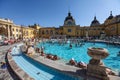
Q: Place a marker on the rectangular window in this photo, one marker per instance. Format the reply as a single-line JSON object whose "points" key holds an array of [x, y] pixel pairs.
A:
{"points": [[17, 35], [16, 30], [69, 30]]}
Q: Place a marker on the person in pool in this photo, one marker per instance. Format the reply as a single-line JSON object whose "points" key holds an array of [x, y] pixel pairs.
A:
{"points": [[70, 45], [118, 53]]}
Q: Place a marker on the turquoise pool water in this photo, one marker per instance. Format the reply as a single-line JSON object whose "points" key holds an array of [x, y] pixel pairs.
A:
{"points": [[36, 70], [80, 53]]}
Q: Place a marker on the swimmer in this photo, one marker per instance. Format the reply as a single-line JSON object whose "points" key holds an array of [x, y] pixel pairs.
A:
{"points": [[118, 53], [70, 45], [38, 73]]}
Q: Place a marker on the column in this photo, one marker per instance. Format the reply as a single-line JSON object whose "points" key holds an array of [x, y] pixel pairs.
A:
{"points": [[8, 31]]}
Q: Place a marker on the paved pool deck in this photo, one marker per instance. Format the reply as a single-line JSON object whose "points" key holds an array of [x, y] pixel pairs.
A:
{"points": [[68, 69], [5, 74]]}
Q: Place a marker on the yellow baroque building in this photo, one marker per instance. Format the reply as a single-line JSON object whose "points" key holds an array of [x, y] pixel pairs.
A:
{"points": [[10, 30], [16, 32], [110, 27], [6, 28], [28, 33]]}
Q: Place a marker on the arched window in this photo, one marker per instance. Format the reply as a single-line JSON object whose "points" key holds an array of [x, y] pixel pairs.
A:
{"points": [[69, 23], [47, 32], [56, 32], [42, 32], [51, 31], [69, 30]]}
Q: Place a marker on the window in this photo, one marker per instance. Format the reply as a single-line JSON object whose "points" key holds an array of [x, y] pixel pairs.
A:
{"points": [[51, 31], [102, 29], [24, 33], [69, 30], [113, 28], [17, 35], [13, 29], [118, 19], [98, 28], [19, 30], [16, 30], [47, 32], [69, 23], [42, 32], [77, 33], [56, 32], [27, 33]]}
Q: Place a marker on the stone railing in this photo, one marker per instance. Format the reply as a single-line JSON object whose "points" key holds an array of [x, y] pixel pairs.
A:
{"points": [[6, 20]]}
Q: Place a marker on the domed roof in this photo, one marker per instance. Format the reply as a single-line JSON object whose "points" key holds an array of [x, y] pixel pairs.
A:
{"points": [[111, 16], [69, 21], [69, 17], [95, 22]]}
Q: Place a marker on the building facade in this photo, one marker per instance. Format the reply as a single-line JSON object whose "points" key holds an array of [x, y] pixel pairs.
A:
{"points": [[6, 28], [12, 31], [110, 27], [17, 32]]}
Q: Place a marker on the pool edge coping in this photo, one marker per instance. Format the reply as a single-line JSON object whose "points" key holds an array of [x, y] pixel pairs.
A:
{"points": [[16, 69]]}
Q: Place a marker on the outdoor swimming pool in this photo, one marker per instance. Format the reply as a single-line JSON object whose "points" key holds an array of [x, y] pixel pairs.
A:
{"points": [[36, 70], [79, 53]]}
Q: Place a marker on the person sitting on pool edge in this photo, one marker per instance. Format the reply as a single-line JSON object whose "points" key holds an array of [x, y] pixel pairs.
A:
{"points": [[37, 50], [3, 65], [72, 62], [55, 57], [49, 56], [81, 64], [42, 53]]}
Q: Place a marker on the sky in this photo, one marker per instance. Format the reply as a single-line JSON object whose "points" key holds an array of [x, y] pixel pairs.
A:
{"points": [[49, 13]]}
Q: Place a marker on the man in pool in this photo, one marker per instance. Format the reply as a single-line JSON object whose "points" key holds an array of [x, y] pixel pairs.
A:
{"points": [[70, 45]]}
